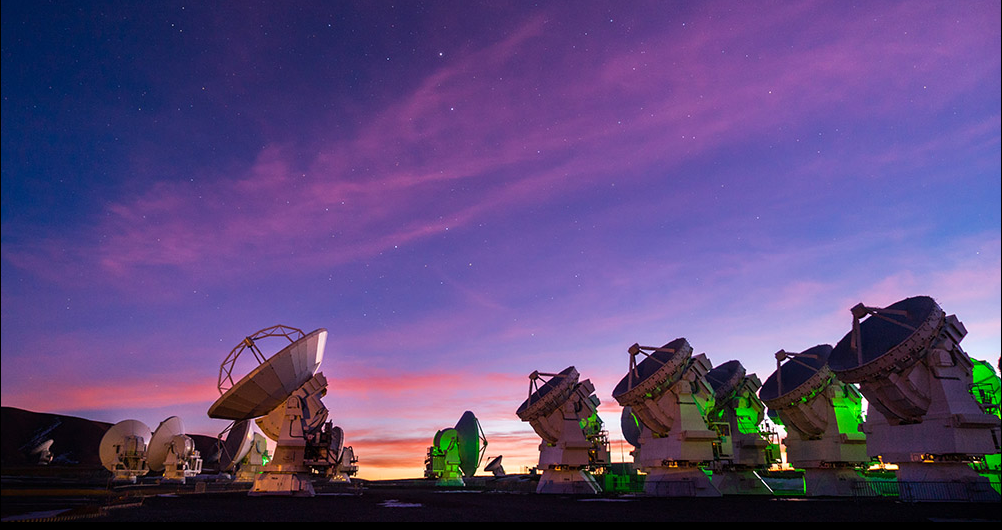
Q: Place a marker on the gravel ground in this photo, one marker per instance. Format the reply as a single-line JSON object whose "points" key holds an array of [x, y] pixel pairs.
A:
{"points": [[410, 502]]}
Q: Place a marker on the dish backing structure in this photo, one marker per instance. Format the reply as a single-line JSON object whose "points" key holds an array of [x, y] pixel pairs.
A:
{"points": [[173, 452], [822, 416], [564, 413], [670, 397], [283, 394], [123, 450], [908, 363]]}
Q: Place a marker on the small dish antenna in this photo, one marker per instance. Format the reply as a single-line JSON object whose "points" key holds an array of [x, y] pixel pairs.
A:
{"points": [[123, 450], [822, 416], [173, 452], [284, 394], [564, 413], [347, 465], [494, 467], [908, 363], [43, 452], [457, 452], [668, 393], [738, 416]]}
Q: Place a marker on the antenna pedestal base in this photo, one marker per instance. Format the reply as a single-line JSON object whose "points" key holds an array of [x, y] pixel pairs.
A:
{"points": [[248, 473], [125, 476], [568, 482], [739, 482], [283, 484], [943, 482], [831, 482], [679, 482]]}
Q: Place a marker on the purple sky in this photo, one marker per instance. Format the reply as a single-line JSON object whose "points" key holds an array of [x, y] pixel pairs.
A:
{"points": [[462, 193]]}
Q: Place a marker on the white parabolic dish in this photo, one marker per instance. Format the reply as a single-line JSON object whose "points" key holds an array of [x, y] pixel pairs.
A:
{"points": [[273, 381], [116, 437], [159, 445]]}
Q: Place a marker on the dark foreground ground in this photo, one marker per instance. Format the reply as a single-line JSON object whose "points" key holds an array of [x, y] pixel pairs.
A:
{"points": [[421, 501]]}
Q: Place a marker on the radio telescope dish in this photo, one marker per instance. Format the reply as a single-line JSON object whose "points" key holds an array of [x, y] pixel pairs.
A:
{"points": [[236, 445], [44, 452], [347, 465], [123, 450], [284, 391], [668, 393], [337, 440], [564, 413], [472, 443], [909, 365], [456, 452], [737, 416], [630, 426], [822, 416], [274, 380], [173, 452], [494, 467], [159, 446], [241, 451]]}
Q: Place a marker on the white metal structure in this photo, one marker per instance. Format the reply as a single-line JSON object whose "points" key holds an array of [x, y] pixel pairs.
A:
{"points": [[668, 394], [173, 452], [123, 450], [908, 363], [563, 412], [822, 416], [284, 393]]}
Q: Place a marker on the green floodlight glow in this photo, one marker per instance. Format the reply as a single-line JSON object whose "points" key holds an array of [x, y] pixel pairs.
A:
{"points": [[748, 418], [849, 411], [986, 387]]}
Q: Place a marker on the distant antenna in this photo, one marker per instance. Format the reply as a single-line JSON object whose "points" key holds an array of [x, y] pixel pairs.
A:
{"points": [[123, 450], [456, 452], [241, 451], [284, 393], [347, 465], [822, 416], [494, 466], [668, 393], [173, 452], [44, 452], [233, 444], [907, 361], [564, 413]]}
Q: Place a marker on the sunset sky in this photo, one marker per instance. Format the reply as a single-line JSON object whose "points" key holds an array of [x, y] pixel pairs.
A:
{"points": [[464, 192]]}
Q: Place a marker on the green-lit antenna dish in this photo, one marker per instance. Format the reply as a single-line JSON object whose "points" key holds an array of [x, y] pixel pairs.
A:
{"points": [[470, 451]]}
